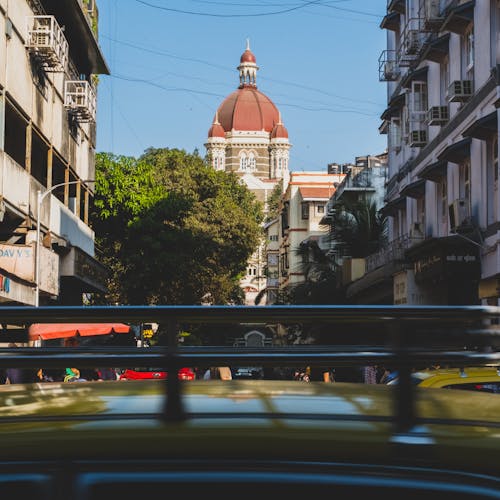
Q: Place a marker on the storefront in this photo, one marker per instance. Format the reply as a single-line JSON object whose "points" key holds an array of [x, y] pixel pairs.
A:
{"points": [[446, 270]]}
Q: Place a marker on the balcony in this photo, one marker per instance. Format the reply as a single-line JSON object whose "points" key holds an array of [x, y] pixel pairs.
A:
{"points": [[393, 252], [388, 69]]}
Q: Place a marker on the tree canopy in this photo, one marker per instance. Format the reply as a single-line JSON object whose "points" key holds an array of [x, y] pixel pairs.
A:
{"points": [[172, 229]]}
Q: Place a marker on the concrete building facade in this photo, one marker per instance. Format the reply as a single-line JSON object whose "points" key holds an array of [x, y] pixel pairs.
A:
{"points": [[49, 57], [303, 206], [442, 74]]}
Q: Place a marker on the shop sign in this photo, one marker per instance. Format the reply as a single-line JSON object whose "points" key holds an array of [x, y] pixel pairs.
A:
{"points": [[448, 264], [18, 260]]}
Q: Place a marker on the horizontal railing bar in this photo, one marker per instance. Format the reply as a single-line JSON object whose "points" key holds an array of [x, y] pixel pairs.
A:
{"points": [[42, 358], [245, 314]]}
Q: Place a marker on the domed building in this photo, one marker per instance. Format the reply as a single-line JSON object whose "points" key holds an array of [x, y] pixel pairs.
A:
{"points": [[248, 137]]}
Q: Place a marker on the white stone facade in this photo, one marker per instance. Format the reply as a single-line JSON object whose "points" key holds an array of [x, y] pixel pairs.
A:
{"points": [[442, 73]]}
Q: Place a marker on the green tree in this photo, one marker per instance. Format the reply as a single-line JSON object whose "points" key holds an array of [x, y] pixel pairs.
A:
{"points": [[172, 229], [320, 277], [273, 202], [358, 228]]}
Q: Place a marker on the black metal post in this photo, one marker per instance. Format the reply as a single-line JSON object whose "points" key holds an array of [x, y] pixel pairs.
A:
{"points": [[174, 410]]}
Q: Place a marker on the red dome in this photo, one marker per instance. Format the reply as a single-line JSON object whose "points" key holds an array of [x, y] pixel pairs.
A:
{"points": [[216, 130], [247, 56], [279, 132], [248, 109]]}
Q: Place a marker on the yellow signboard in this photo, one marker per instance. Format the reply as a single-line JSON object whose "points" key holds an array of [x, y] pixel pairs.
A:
{"points": [[147, 333]]}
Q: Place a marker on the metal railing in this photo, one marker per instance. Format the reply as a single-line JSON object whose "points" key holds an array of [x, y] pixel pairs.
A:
{"points": [[399, 336]]}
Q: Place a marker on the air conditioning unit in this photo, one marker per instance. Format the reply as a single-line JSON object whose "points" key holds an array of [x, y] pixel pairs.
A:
{"points": [[46, 43], [80, 100], [459, 212], [412, 42], [432, 15], [391, 71], [418, 138], [438, 115], [460, 91]]}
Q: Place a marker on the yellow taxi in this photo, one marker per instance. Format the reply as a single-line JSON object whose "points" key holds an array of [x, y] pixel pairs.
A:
{"points": [[477, 378]]}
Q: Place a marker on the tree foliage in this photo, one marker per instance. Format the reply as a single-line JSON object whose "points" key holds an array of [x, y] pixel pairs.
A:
{"points": [[172, 229], [359, 228], [320, 277], [273, 202]]}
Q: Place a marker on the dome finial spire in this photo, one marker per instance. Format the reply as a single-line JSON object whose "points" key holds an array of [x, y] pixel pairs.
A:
{"points": [[248, 67]]}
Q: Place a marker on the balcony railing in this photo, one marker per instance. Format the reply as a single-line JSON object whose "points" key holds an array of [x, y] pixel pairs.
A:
{"points": [[388, 68]]}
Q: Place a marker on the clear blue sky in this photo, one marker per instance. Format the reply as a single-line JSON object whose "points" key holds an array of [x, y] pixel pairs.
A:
{"points": [[173, 64]]}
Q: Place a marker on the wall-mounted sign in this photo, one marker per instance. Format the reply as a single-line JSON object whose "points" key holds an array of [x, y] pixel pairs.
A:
{"points": [[18, 260]]}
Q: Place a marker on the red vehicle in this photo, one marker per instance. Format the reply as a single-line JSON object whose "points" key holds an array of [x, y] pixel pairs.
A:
{"points": [[154, 373]]}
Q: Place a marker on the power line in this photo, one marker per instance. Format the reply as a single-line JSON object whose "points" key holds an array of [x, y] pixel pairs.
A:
{"points": [[219, 96], [258, 14], [217, 66]]}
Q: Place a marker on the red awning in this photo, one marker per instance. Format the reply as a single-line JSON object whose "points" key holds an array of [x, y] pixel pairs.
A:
{"points": [[47, 331]]}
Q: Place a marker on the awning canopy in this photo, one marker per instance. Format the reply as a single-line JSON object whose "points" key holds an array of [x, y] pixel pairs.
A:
{"points": [[484, 128], [415, 189], [435, 172], [392, 207], [456, 152], [416, 75], [46, 331], [390, 21], [394, 108], [459, 18], [436, 50]]}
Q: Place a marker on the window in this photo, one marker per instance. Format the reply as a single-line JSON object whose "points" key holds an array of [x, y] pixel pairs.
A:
{"points": [[395, 134], [251, 162], [243, 162], [444, 197], [465, 180], [444, 80], [492, 179], [468, 53], [305, 210], [320, 209], [418, 106]]}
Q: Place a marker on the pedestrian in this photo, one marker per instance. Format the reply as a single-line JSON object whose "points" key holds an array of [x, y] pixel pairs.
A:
{"points": [[319, 374], [20, 375], [370, 374], [218, 373]]}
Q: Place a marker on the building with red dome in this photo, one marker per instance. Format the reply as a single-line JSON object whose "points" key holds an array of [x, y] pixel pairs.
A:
{"points": [[248, 137]]}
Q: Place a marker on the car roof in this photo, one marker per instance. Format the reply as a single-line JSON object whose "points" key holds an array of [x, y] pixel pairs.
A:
{"points": [[274, 418]]}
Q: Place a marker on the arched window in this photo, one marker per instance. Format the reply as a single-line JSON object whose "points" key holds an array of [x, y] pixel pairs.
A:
{"points": [[243, 161], [251, 162]]}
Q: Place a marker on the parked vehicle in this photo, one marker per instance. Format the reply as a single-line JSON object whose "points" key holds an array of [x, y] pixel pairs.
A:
{"points": [[485, 379], [248, 372], [154, 373]]}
